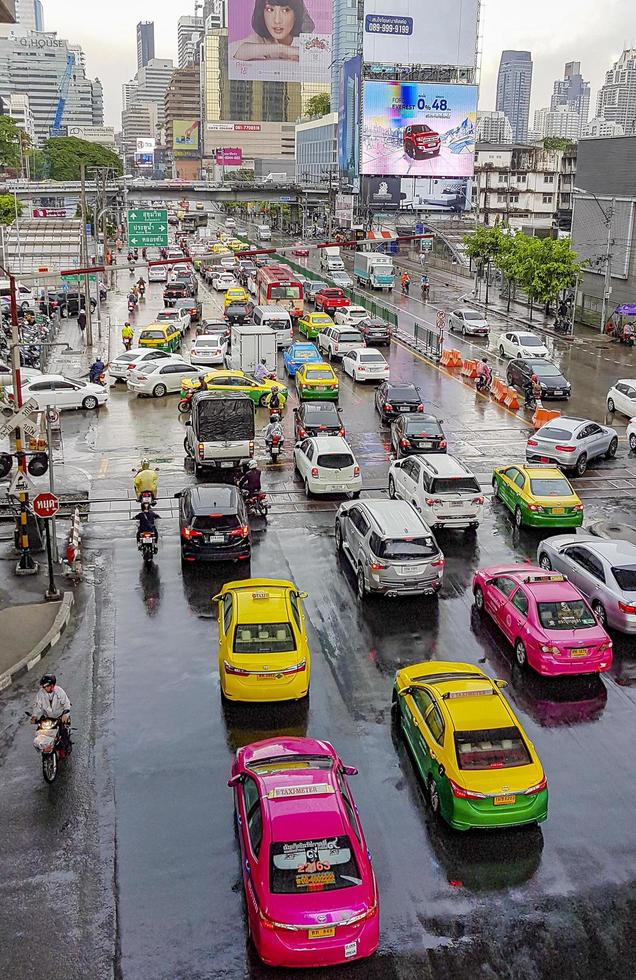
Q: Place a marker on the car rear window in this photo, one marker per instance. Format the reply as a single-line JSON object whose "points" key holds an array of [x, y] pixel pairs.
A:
{"points": [[403, 393], [334, 461], [316, 374], [216, 522], [152, 334], [491, 748], [209, 340], [552, 434], [472, 316], [625, 577], [304, 355], [287, 763], [297, 867], [416, 427], [320, 408], [463, 484], [572, 614], [371, 358], [353, 337], [551, 488], [401, 549], [167, 315], [264, 638]]}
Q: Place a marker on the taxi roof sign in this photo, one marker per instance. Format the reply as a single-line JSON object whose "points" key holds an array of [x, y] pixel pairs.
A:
{"points": [[260, 595], [555, 577], [304, 789], [468, 694]]}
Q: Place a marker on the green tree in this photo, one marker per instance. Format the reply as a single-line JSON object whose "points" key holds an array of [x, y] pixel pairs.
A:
{"points": [[318, 105], [11, 136], [557, 143], [63, 156], [8, 207], [486, 245]]}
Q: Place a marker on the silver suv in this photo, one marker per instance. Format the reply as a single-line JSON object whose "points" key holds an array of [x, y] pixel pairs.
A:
{"points": [[572, 443], [391, 549]]}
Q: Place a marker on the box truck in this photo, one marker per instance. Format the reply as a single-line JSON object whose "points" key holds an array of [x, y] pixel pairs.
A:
{"points": [[330, 260], [374, 270], [249, 345]]}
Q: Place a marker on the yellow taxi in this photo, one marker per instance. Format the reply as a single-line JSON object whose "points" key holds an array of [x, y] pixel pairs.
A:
{"points": [[311, 324], [220, 248], [263, 649], [235, 295], [538, 496], [237, 245], [161, 336], [317, 382]]}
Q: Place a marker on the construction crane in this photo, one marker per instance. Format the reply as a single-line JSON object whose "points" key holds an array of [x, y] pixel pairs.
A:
{"points": [[65, 81]]}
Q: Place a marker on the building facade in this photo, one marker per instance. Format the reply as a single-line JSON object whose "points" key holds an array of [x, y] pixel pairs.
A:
{"points": [[317, 150], [151, 82], [145, 42], [346, 41], [189, 33], [183, 115], [616, 100], [558, 122], [572, 92], [19, 109], [602, 127], [214, 14], [137, 122], [493, 127], [514, 85]]}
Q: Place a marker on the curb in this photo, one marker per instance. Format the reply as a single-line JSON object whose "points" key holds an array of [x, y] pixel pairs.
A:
{"points": [[47, 642]]}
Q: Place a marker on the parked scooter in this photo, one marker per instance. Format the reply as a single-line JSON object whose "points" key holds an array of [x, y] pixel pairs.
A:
{"points": [[563, 325]]}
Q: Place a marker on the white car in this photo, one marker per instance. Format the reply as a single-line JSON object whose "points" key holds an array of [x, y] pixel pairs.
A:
{"points": [[179, 316], [228, 263], [365, 364], [631, 435], [326, 464], [120, 366], [622, 397], [223, 281], [59, 392], [341, 279], [230, 223], [158, 273], [469, 322], [520, 343], [352, 315], [442, 490], [161, 378], [209, 348], [6, 377]]}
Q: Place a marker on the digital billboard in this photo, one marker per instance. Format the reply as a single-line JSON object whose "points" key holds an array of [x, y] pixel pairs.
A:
{"points": [[418, 129], [280, 40], [436, 194], [420, 32], [349, 119], [185, 137]]}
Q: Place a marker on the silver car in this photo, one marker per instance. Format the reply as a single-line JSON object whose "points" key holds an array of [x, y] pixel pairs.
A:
{"points": [[604, 571], [572, 443], [390, 548]]}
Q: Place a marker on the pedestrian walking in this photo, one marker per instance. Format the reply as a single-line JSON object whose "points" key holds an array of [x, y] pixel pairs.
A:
{"points": [[81, 322]]}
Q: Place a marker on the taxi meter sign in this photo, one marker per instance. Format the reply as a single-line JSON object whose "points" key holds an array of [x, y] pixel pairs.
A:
{"points": [[46, 504]]}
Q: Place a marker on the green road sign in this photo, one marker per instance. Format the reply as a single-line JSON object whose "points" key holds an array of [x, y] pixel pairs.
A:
{"points": [[76, 279], [147, 226]]}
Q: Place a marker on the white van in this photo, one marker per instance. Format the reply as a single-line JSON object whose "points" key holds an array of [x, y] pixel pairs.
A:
{"points": [[264, 233], [278, 319], [25, 297]]}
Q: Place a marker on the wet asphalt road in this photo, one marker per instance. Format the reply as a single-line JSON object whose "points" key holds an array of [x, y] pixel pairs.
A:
{"points": [[131, 858]]}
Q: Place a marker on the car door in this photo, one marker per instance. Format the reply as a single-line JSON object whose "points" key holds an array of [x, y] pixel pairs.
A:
{"points": [[627, 404], [358, 530], [404, 478], [67, 395], [173, 375], [415, 706], [496, 596], [599, 439], [349, 361], [571, 562], [301, 455], [43, 392], [250, 821], [589, 574], [508, 487], [512, 345], [586, 440], [514, 615]]}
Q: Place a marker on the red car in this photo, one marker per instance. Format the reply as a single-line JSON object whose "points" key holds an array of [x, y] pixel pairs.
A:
{"points": [[300, 249], [331, 299], [421, 141]]}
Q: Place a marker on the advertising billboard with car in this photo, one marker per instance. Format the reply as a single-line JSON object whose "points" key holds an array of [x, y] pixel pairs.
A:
{"points": [[418, 129], [185, 137], [420, 32], [275, 41]]}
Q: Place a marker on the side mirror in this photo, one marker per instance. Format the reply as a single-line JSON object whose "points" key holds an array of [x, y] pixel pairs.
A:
{"points": [[217, 598], [235, 780], [178, 495], [350, 770], [501, 683], [302, 595]]}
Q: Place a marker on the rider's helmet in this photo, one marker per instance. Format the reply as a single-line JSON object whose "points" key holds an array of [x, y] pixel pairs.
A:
{"points": [[263, 360], [145, 465], [534, 378], [252, 464], [47, 679], [275, 417], [485, 360], [274, 390], [127, 323]]}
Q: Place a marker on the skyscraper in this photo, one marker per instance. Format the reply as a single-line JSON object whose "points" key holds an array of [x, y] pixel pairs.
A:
{"points": [[39, 15], [616, 100], [514, 83], [345, 42], [145, 42], [189, 31], [25, 14], [571, 91]]}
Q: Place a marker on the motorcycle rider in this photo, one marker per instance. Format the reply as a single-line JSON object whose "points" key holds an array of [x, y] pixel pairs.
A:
{"points": [[274, 429], [261, 371], [406, 282], [127, 335], [484, 374], [424, 283], [52, 701], [96, 370], [250, 482], [141, 285], [532, 392], [145, 480], [147, 519], [275, 401]]}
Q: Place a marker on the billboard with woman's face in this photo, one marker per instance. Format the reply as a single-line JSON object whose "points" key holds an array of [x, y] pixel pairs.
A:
{"points": [[280, 40]]}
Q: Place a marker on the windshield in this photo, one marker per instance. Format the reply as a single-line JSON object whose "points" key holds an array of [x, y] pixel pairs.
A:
{"points": [[545, 370], [551, 488], [423, 427], [573, 614], [284, 292], [371, 358], [401, 549], [493, 748], [264, 638], [334, 461], [625, 577], [313, 865]]}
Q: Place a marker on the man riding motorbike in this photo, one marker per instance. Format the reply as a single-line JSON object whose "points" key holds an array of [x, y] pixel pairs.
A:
{"points": [[52, 701], [145, 481], [484, 375], [532, 392], [250, 482], [127, 335], [425, 284], [406, 282], [261, 372], [147, 519], [141, 285], [274, 429], [96, 370]]}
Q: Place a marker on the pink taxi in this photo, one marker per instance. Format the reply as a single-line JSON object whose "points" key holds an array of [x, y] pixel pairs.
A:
{"points": [[544, 616], [310, 890]]}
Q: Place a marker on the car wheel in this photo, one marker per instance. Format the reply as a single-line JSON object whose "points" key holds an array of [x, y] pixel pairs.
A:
{"points": [[611, 407], [433, 796], [581, 464], [509, 378], [544, 562], [502, 352], [392, 494], [611, 449], [159, 391], [632, 442], [518, 517], [479, 598], [90, 403], [520, 654], [463, 331], [263, 400], [307, 490], [599, 611], [362, 585], [338, 537]]}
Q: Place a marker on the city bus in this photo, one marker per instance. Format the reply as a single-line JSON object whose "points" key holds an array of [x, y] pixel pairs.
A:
{"points": [[277, 286]]}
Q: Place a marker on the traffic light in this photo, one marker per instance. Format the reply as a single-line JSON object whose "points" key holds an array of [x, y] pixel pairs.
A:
{"points": [[38, 464], [6, 462]]}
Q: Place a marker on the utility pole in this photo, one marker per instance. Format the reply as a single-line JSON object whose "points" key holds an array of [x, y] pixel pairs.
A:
{"points": [[87, 282], [607, 283], [26, 565]]}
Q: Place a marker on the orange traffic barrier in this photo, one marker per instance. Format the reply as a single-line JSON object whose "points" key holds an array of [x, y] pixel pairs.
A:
{"points": [[446, 358], [512, 399], [498, 389], [469, 369], [457, 358], [541, 416]]}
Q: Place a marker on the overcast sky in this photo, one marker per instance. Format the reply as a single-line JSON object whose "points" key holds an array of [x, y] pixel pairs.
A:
{"points": [[555, 31]]}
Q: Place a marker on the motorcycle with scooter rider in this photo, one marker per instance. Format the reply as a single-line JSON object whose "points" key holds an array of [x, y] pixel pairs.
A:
{"points": [[274, 437], [250, 486], [145, 487]]}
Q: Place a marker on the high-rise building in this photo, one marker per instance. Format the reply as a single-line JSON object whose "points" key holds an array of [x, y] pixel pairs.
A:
{"points": [[137, 122], [145, 42], [182, 99], [189, 32], [25, 15], [149, 85], [514, 83], [561, 121], [215, 14], [345, 42], [616, 100], [19, 109], [39, 15], [597, 128], [572, 92], [493, 127]]}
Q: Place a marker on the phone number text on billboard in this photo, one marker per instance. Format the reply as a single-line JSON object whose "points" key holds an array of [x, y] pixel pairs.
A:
{"points": [[418, 129]]}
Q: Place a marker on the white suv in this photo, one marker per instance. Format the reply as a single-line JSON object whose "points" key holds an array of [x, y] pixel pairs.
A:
{"points": [[441, 489], [336, 340]]}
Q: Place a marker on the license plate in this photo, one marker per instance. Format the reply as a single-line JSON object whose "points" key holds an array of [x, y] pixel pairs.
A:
{"points": [[424, 443], [215, 539], [579, 652], [226, 464], [504, 800], [558, 510], [320, 388], [337, 486], [455, 503], [263, 677], [404, 408], [322, 933], [351, 949], [557, 391], [544, 459]]}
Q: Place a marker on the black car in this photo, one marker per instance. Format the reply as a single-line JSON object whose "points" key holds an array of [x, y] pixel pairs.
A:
{"points": [[175, 291], [239, 313], [375, 331], [192, 305], [70, 303], [418, 433], [553, 384], [317, 419], [213, 524], [393, 399]]}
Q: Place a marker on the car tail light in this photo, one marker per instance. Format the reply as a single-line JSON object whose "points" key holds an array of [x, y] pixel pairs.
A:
{"points": [[550, 648], [230, 669], [341, 430], [464, 794], [296, 669], [420, 408], [268, 923], [131, 367], [404, 443], [361, 916], [478, 500], [532, 442], [314, 471], [188, 533], [537, 788], [443, 444], [535, 508], [626, 607], [387, 407], [356, 471], [251, 447], [301, 432], [431, 501], [565, 449], [605, 648], [439, 563], [376, 566], [360, 368], [240, 532], [142, 377]]}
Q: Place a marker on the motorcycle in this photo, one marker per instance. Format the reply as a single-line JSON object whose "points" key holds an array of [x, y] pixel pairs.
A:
{"points": [[97, 378], [127, 342], [48, 742], [624, 338], [483, 383], [148, 546], [257, 505], [405, 288], [275, 446], [562, 325], [185, 403], [131, 306], [142, 291], [425, 290]]}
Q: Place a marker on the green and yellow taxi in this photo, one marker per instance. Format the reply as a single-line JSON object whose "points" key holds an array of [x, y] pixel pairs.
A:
{"points": [[237, 245], [263, 649], [311, 324], [537, 496], [236, 294], [317, 382], [232, 381], [161, 336], [479, 768]]}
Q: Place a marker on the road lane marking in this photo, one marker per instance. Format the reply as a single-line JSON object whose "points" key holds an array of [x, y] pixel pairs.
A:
{"points": [[103, 467]]}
